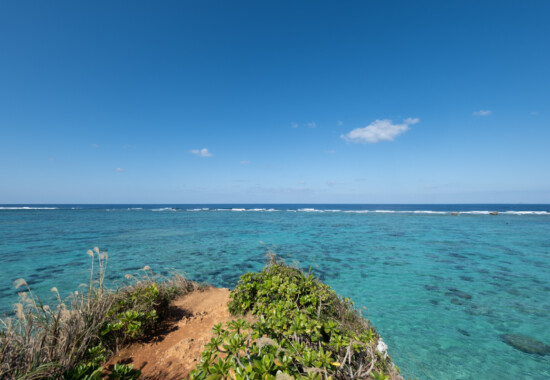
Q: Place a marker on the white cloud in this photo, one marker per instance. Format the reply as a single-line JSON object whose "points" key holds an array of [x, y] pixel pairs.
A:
{"points": [[379, 130], [94, 145], [202, 152], [482, 113], [311, 124], [340, 123], [245, 162], [120, 170], [411, 120], [330, 151]]}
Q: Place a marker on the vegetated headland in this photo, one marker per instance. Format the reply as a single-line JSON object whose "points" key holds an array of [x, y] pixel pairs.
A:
{"points": [[279, 323]]}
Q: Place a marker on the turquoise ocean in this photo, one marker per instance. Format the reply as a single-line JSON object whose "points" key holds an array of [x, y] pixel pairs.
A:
{"points": [[441, 289]]}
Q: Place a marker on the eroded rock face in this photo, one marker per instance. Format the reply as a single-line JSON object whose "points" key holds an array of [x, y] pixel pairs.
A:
{"points": [[526, 344]]}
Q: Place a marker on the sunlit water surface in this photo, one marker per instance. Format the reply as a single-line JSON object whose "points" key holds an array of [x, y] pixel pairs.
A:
{"points": [[441, 289]]}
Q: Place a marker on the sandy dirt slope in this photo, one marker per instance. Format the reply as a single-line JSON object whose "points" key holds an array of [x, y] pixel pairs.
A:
{"points": [[177, 347]]}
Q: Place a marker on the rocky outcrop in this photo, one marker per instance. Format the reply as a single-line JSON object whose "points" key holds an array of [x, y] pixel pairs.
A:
{"points": [[526, 344]]}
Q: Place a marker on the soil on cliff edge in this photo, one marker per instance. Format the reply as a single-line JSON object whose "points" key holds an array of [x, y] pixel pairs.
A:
{"points": [[176, 348]]}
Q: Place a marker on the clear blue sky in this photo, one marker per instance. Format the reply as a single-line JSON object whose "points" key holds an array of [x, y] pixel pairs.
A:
{"points": [[299, 101]]}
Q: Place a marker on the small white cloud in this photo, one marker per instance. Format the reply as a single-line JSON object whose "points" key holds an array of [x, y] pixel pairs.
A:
{"points": [[340, 123], [245, 162], [94, 145], [330, 151], [311, 124], [201, 152], [294, 125], [482, 113], [379, 130], [411, 120], [120, 170]]}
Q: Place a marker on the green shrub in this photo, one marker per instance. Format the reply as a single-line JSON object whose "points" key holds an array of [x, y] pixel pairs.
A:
{"points": [[302, 329], [124, 372]]}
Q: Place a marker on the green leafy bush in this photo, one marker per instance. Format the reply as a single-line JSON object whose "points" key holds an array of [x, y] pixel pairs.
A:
{"points": [[302, 330], [124, 372]]}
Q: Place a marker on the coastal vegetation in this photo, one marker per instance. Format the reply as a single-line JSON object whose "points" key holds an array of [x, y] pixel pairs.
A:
{"points": [[288, 324], [301, 329], [71, 340]]}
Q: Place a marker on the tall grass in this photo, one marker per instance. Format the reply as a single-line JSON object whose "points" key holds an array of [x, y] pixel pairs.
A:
{"points": [[44, 341]]}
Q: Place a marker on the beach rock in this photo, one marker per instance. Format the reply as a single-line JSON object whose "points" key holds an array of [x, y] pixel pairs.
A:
{"points": [[493, 213], [454, 213], [526, 344], [382, 347]]}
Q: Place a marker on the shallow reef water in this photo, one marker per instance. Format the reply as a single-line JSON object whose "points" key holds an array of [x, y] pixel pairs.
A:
{"points": [[454, 297]]}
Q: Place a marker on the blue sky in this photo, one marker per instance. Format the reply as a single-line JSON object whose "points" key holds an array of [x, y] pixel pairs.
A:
{"points": [[300, 101]]}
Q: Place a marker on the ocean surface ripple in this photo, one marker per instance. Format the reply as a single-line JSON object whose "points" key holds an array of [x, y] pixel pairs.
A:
{"points": [[443, 284]]}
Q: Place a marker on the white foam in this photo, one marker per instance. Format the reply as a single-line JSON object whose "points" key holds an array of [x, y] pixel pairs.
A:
{"points": [[314, 210], [428, 212], [526, 212], [29, 208]]}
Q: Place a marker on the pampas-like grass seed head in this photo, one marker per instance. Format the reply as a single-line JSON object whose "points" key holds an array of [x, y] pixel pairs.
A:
{"points": [[46, 308], [90, 253], [147, 267], [19, 310], [54, 289], [96, 250], [19, 283], [23, 295], [128, 276], [104, 256], [76, 292]]}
